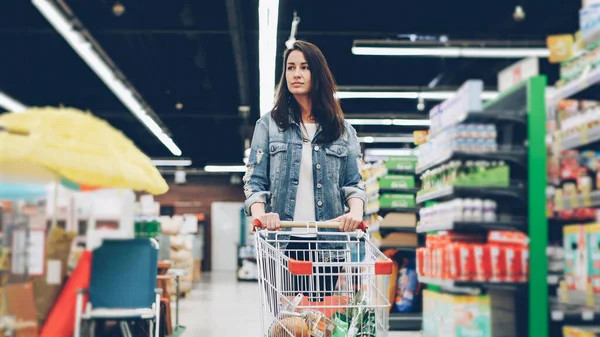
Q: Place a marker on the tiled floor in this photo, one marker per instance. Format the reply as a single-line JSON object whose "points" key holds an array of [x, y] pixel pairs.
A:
{"points": [[219, 304]]}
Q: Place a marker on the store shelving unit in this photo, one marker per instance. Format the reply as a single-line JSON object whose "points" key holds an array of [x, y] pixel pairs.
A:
{"points": [[519, 115], [583, 307], [408, 321]]}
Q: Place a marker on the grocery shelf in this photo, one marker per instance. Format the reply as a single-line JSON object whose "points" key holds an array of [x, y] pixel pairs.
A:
{"points": [[575, 86], [488, 116], [398, 246], [407, 321], [510, 155], [471, 287], [573, 314], [397, 171], [578, 140], [399, 190], [580, 201], [516, 192], [402, 229], [384, 211], [473, 226]]}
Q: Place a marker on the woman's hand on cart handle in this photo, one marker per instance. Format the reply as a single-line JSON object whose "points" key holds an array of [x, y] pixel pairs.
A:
{"points": [[350, 222], [269, 221]]}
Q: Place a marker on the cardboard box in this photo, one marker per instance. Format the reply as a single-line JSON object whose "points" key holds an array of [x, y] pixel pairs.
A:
{"points": [[399, 220], [396, 200], [593, 255], [400, 239], [397, 181]]}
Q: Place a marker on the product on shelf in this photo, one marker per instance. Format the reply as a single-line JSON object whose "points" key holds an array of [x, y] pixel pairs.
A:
{"points": [[456, 315], [396, 200], [391, 181], [503, 257], [479, 173], [407, 285], [401, 163], [468, 137], [581, 331], [456, 210], [582, 257], [454, 110]]}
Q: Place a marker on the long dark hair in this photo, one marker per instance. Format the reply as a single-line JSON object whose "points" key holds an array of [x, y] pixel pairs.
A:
{"points": [[326, 108]]}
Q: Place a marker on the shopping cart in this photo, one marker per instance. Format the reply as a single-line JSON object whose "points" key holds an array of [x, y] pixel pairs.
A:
{"points": [[321, 292]]}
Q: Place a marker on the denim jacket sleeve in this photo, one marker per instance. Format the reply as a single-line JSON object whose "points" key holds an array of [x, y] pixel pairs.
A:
{"points": [[256, 179], [353, 183]]}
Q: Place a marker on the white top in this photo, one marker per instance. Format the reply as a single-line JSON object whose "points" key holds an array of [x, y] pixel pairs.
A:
{"points": [[305, 196]]}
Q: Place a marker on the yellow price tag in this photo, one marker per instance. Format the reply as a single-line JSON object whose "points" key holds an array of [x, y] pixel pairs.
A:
{"points": [[557, 142], [589, 295], [584, 134]]}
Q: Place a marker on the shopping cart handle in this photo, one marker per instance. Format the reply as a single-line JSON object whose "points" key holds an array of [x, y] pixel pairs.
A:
{"points": [[257, 225]]}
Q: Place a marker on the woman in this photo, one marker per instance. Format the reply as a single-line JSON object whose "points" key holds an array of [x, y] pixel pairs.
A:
{"points": [[303, 164]]}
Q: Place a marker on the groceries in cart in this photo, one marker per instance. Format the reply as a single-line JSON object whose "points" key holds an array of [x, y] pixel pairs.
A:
{"points": [[359, 322], [325, 290]]}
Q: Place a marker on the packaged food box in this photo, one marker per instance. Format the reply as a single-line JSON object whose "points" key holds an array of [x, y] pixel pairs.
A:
{"points": [[396, 181], [456, 315], [593, 253], [396, 200], [576, 257], [402, 163]]}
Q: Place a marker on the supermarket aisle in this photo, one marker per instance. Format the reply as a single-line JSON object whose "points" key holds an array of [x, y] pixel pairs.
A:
{"points": [[218, 305]]}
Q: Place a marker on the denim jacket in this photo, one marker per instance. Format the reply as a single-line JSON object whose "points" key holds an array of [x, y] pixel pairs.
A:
{"points": [[274, 165]]}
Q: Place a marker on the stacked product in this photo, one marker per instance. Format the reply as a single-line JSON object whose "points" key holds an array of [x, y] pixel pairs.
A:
{"points": [[582, 263], [371, 172], [503, 257], [457, 210], [481, 173], [456, 315], [397, 192], [180, 253]]}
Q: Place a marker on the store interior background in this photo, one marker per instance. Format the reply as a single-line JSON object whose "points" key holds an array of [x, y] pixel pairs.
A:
{"points": [[197, 66]]}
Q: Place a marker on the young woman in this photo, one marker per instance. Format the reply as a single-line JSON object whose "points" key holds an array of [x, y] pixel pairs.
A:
{"points": [[303, 164]]}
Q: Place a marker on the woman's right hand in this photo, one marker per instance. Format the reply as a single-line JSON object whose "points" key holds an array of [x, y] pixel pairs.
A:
{"points": [[270, 221]]}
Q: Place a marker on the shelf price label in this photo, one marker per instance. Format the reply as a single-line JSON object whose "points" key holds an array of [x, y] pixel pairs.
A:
{"points": [[587, 315], [557, 315]]}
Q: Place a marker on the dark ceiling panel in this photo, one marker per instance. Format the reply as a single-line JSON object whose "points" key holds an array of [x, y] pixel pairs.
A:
{"points": [[180, 51]]}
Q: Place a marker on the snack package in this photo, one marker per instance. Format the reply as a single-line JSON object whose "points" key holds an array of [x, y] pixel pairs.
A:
{"points": [[497, 262], [408, 282], [319, 325]]}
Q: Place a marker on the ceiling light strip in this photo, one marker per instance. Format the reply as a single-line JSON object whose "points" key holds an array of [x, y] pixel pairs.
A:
{"points": [[268, 15], [172, 162], [11, 104], [386, 121], [86, 51], [428, 95], [225, 168], [469, 52], [386, 139]]}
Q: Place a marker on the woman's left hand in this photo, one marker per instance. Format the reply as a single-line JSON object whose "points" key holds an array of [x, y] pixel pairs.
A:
{"points": [[349, 222]]}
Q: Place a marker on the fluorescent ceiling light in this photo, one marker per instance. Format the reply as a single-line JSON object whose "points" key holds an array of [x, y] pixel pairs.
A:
{"points": [[385, 139], [428, 95], [85, 50], [268, 15], [399, 122], [11, 104], [225, 168], [453, 52], [172, 162]]}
